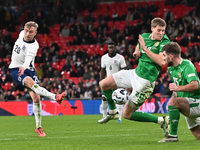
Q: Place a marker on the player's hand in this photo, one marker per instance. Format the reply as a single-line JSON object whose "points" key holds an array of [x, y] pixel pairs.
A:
{"points": [[136, 54], [173, 87], [142, 43], [21, 71]]}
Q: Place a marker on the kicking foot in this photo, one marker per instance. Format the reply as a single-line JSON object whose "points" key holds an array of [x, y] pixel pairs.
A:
{"points": [[60, 97]]}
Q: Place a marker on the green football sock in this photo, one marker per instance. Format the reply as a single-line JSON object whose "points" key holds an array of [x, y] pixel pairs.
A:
{"points": [[111, 103], [143, 117], [174, 115]]}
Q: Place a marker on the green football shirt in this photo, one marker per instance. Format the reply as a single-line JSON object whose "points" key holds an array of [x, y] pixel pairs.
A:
{"points": [[183, 74], [147, 68]]}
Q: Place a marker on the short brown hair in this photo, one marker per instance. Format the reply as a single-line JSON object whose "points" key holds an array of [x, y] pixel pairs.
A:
{"points": [[158, 22], [172, 48], [31, 24]]}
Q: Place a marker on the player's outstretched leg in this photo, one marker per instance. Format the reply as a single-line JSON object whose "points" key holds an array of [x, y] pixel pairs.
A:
{"points": [[43, 92]]}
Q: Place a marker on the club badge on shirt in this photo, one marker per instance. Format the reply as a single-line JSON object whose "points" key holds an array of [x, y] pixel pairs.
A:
{"points": [[156, 44]]}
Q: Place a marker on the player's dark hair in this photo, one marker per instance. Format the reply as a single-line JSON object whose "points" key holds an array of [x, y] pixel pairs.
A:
{"points": [[111, 43], [172, 48], [158, 22]]}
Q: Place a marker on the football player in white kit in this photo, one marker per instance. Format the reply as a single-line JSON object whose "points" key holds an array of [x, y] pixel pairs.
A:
{"points": [[23, 71], [111, 62]]}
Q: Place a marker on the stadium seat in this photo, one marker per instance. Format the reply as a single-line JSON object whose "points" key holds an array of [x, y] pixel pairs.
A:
{"points": [[14, 35], [14, 93], [178, 39], [66, 74], [7, 86], [183, 49], [197, 66], [75, 79]]}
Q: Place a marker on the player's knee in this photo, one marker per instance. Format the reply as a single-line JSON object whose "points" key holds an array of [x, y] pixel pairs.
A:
{"points": [[126, 115], [102, 85], [36, 98], [172, 102], [29, 82]]}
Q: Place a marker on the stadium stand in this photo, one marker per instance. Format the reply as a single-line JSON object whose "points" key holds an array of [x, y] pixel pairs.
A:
{"points": [[89, 31]]}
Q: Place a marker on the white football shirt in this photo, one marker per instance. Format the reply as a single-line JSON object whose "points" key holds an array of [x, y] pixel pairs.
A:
{"points": [[112, 64], [22, 49]]}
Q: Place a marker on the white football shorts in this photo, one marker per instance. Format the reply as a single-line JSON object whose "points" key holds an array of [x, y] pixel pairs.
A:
{"points": [[141, 88], [194, 118]]}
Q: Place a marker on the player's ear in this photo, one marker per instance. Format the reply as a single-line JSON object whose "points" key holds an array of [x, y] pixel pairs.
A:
{"points": [[152, 29], [35, 33], [171, 55]]}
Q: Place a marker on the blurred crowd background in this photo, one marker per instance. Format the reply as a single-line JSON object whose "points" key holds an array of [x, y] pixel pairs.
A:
{"points": [[73, 35]]}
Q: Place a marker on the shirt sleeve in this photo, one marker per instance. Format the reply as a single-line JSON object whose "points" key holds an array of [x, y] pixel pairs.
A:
{"points": [[190, 73], [27, 61], [102, 62], [123, 62]]}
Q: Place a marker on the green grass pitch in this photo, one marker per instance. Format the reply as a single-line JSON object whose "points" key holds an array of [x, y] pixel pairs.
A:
{"points": [[82, 132]]}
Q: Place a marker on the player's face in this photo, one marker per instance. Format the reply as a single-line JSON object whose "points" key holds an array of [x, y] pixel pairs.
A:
{"points": [[111, 49], [168, 59], [158, 32], [29, 33]]}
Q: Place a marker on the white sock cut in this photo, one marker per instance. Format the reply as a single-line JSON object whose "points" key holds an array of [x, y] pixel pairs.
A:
{"points": [[43, 92], [37, 112]]}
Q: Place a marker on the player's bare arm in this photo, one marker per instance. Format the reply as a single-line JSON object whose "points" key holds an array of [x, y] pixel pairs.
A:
{"points": [[159, 59], [21, 71], [192, 86], [102, 73], [174, 95]]}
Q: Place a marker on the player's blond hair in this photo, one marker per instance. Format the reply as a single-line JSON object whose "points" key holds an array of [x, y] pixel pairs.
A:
{"points": [[158, 22], [31, 24]]}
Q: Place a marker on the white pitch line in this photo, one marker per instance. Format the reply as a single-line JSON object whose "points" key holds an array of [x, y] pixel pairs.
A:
{"points": [[66, 137]]}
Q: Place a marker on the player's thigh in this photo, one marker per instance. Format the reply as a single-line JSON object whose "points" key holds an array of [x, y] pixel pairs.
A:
{"points": [[196, 132], [182, 104], [142, 89], [28, 82], [123, 78], [108, 83], [35, 97]]}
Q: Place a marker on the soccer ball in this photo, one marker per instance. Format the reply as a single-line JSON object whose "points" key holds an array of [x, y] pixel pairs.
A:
{"points": [[120, 96]]}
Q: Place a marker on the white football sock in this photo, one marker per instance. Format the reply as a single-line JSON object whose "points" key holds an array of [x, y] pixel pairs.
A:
{"points": [[104, 107], [43, 92], [120, 108], [37, 112], [112, 111]]}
